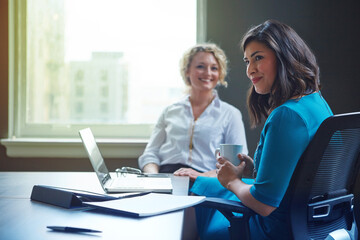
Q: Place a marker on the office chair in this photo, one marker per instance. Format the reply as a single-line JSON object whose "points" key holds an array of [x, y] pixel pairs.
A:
{"points": [[323, 196]]}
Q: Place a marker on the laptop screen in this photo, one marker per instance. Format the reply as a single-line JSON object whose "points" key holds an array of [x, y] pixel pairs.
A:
{"points": [[94, 155]]}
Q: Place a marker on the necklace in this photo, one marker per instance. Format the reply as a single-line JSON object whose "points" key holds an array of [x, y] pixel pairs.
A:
{"points": [[191, 144]]}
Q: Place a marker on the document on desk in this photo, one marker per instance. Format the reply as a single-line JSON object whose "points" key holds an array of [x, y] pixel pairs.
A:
{"points": [[147, 205]]}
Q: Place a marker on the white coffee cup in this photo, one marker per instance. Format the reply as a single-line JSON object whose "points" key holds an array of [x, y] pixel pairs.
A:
{"points": [[230, 152]]}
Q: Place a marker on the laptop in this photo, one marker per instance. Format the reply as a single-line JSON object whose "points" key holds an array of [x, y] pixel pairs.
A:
{"points": [[127, 183]]}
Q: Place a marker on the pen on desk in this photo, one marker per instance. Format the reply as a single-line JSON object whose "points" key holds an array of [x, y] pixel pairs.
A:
{"points": [[72, 229]]}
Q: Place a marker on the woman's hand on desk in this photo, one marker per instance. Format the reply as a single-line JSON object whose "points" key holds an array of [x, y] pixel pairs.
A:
{"points": [[193, 174]]}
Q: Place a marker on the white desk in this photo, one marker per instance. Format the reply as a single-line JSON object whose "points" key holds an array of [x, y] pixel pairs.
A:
{"points": [[21, 218]]}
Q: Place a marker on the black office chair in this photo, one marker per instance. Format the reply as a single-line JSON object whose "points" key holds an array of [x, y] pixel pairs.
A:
{"points": [[324, 191]]}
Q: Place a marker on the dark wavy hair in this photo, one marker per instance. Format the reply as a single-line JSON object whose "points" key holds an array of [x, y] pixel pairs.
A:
{"points": [[297, 70]]}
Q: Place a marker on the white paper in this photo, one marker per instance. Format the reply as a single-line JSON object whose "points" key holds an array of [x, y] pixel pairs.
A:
{"points": [[149, 204]]}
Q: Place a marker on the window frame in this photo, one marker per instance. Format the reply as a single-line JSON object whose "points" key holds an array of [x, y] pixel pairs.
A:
{"points": [[23, 141]]}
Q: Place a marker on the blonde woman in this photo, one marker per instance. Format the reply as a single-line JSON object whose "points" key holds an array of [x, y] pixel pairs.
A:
{"points": [[188, 132]]}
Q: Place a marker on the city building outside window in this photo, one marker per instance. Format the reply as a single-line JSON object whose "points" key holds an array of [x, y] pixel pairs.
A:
{"points": [[91, 62], [112, 65]]}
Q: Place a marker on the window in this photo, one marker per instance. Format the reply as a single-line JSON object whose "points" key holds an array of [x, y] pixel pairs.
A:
{"points": [[112, 65]]}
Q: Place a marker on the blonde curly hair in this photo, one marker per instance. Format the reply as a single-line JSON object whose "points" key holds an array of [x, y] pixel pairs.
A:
{"points": [[218, 53]]}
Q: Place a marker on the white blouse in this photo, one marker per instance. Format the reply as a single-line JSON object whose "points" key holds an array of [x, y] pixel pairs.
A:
{"points": [[176, 130]]}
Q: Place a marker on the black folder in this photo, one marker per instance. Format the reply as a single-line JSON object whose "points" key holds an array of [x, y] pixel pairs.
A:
{"points": [[66, 198]]}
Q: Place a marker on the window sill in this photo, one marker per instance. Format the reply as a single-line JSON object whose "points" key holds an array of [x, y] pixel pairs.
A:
{"points": [[72, 148]]}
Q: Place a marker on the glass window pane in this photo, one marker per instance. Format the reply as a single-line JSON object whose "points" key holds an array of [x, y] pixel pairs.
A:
{"points": [[105, 61]]}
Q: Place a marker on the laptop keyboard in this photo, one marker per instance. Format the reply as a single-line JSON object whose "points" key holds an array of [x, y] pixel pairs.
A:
{"points": [[141, 182]]}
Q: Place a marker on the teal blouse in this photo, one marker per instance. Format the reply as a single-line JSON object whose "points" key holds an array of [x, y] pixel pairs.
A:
{"points": [[287, 132]]}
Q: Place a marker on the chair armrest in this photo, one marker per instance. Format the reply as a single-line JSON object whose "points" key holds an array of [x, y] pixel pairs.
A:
{"points": [[227, 206], [239, 225], [330, 209]]}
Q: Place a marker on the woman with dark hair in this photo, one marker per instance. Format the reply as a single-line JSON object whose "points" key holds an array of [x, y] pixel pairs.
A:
{"points": [[297, 70], [285, 92]]}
